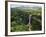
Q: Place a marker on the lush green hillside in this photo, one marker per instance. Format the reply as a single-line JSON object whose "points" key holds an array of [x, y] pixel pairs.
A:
{"points": [[20, 18]]}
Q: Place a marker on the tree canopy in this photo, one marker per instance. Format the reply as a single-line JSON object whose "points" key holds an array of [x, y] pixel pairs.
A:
{"points": [[20, 18]]}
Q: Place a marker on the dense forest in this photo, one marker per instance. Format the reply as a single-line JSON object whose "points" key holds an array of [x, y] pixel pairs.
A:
{"points": [[20, 20]]}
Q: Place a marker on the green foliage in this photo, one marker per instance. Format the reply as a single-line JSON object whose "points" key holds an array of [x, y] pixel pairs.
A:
{"points": [[20, 19], [36, 23], [20, 28]]}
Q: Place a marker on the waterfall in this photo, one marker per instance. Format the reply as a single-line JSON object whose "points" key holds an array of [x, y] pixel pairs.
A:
{"points": [[29, 22]]}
